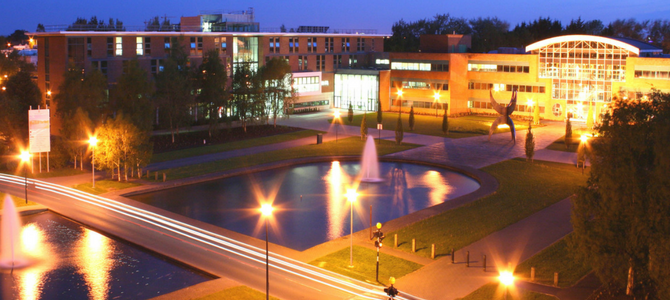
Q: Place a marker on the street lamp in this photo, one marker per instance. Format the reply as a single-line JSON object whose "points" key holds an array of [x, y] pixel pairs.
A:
{"points": [[581, 155], [437, 99], [530, 106], [507, 279], [337, 118], [93, 141], [351, 196], [266, 211], [25, 157]]}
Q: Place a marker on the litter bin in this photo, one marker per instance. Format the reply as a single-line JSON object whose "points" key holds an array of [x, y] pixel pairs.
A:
{"points": [[319, 138]]}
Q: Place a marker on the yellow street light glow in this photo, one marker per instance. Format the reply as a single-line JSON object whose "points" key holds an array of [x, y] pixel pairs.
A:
{"points": [[25, 156], [399, 93], [437, 96], [337, 114], [93, 141], [584, 138], [530, 102], [49, 93], [506, 278], [266, 209], [351, 195]]}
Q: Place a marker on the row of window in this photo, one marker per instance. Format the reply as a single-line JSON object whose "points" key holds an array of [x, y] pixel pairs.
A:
{"points": [[487, 105], [584, 55], [307, 84], [309, 104], [506, 87], [417, 66], [420, 85], [497, 68], [652, 74], [419, 104]]}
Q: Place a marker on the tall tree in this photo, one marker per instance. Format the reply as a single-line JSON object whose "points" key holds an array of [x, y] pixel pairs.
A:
{"points": [[488, 34], [364, 127], [122, 146], [379, 111], [212, 80], [445, 122], [245, 93], [132, 96], [75, 130], [87, 92], [278, 86], [411, 118], [620, 219], [173, 89], [530, 143]]}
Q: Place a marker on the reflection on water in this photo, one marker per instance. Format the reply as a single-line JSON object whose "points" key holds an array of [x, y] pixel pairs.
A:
{"points": [[73, 262], [322, 213]]}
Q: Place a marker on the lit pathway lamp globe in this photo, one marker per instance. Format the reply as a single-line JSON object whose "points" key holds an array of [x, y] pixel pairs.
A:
{"points": [[93, 141], [437, 101], [581, 155], [530, 107], [266, 212], [25, 158], [351, 197], [336, 114], [507, 279]]}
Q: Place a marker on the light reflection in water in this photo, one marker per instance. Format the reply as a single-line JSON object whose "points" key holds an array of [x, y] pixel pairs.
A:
{"points": [[30, 280], [336, 201], [95, 263], [439, 187]]}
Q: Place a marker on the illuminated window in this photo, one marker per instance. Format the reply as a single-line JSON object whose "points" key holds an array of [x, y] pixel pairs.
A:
{"points": [[307, 84], [140, 46], [118, 46], [196, 45]]}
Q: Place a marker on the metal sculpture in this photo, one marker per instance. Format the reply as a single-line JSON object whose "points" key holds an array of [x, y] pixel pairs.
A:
{"points": [[505, 111]]}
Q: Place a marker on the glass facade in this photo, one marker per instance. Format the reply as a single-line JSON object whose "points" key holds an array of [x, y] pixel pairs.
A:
{"points": [[245, 51], [361, 91], [307, 84]]}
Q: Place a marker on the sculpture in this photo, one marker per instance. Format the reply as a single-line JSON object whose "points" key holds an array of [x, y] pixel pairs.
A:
{"points": [[505, 111]]}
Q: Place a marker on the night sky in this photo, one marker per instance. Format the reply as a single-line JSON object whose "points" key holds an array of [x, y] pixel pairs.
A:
{"points": [[341, 14]]}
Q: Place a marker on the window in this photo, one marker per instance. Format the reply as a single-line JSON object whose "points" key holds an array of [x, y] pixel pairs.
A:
{"points": [[652, 74], [274, 45], [89, 47], [353, 60], [307, 84], [380, 61], [439, 67], [474, 67], [329, 45], [167, 42], [311, 44], [360, 44], [410, 66], [100, 66], [140, 46], [320, 62], [110, 46], [156, 66], [118, 46], [345, 45], [196, 45], [147, 46], [337, 61], [302, 62], [506, 87], [293, 45]]}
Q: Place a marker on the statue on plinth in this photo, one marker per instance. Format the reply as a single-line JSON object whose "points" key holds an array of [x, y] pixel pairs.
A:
{"points": [[505, 111]]}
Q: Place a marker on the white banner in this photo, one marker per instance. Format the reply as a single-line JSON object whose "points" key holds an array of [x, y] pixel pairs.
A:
{"points": [[39, 130]]}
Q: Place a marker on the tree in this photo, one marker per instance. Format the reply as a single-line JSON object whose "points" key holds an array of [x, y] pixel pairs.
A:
{"points": [[132, 96], [620, 218], [379, 111], [277, 83], [40, 28], [568, 133], [122, 146], [364, 127], [173, 89], [212, 80], [530, 143], [245, 93], [445, 122], [87, 92], [488, 34], [350, 114], [411, 118], [23, 94], [75, 130], [398, 130]]}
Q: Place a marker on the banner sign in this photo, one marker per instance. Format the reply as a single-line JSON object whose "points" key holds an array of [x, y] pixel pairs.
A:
{"points": [[39, 130]]}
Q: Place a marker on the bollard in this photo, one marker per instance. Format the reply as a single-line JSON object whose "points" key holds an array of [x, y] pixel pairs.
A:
{"points": [[163, 177], [484, 259], [432, 251], [452, 255], [467, 259], [555, 278], [413, 245], [532, 274], [395, 241]]}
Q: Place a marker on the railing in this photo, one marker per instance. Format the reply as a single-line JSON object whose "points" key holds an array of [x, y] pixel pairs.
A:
{"points": [[179, 28]]}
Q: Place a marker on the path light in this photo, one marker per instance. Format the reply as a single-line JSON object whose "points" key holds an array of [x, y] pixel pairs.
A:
{"points": [[25, 158], [336, 114], [507, 279], [437, 100], [266, 212], [93, 141], [351, 197]]}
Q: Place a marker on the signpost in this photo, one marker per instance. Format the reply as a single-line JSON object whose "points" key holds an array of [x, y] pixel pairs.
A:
{"points": [[39, 130]]}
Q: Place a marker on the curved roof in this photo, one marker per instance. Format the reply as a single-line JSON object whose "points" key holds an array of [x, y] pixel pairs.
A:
{"points": [[582, 38]]}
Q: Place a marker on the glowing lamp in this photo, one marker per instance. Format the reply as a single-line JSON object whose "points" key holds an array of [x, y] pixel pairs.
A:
{"points": [[530, 103], [337, 114], [506, 278], [93, 141], [266, 209], [25, 156], [399, 93], [437, 96], [584, 138], [351, 195]]}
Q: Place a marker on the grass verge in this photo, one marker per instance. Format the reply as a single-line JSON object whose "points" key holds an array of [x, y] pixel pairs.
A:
{"points": [[365, 265], [233, 145], [493, 291], [460, 127], [343, 147], [104, 186], [559, 144], [237, 293], [525, 188], [555, 258], [18, 201]]}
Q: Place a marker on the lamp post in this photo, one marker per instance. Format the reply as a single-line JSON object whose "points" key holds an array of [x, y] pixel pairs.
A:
{"points": [[530, 107], [25, 157], [582, 150], [507, 279], [437, 99], [93, 141], [337, 118], [351, 196], [266, 211]]}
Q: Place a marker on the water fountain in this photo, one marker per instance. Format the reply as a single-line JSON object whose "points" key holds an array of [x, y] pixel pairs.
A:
{"points": [[370, 162], [11, 251]]}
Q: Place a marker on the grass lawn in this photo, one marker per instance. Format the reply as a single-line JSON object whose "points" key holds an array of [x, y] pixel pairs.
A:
{"points": [[347, 146], [493, 291], [233, 145], [525, 188], [365, 264], [104, 186], [18, 201], [559, 144], [237, 293], [556, 258], [460, 127]]}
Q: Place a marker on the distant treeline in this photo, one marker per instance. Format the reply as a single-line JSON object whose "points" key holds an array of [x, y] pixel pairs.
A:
{"points": [[492, 33]]}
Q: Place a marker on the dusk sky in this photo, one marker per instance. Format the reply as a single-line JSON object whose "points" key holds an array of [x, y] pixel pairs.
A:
{"points": [[342, 14]]}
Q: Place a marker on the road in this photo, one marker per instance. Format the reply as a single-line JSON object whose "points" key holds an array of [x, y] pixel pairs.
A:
{"points": [[203, 249]]}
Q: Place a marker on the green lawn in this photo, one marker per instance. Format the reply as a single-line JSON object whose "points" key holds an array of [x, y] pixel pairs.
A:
{"points": [[233, 145], [365, 265], [493, 291], [460, 127], [559, 144], [237, 293], [525, 188], [556, 258], [18, 201], [104, 186], [343, 147]]}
